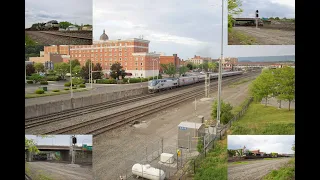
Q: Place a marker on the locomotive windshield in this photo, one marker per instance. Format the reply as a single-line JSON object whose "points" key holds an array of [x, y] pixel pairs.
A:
{"points": [[153, 82]]}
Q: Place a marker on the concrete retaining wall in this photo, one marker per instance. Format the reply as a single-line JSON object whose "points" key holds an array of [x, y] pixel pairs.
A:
{"points": [[58, 106]]}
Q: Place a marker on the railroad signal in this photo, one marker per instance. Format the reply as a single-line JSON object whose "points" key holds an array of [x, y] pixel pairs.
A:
{"points": [[257, 13], [74, 140]]}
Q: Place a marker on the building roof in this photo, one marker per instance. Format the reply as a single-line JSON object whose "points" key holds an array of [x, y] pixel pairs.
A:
{"points": [[104, 36], [191, 125]]}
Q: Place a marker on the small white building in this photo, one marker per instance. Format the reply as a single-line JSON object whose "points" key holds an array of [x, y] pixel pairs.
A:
{"points": [[72, 28]]}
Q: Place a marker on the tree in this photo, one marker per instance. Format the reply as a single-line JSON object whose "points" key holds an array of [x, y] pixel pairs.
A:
{"points": [[200, 144], [77, 81], [286, 84], [182, 70], [97, 75], [76, 71], [30, 69], [190, 66], [231, 152], [226, 114], [204, 66], [62, 69], [263, 86], [277, 18], [233, 9], [39, 67], [85, 69], [64, 24], [75, 63], [212, 66], [117, 70], [239, 152], [36, 77], [169, 69], [271, 18], [31, 145]]}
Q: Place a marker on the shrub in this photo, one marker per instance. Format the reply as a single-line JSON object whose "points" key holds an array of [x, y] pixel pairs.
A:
{"points": [[28, 78], [53, 78], [135, 80], [30, 82], [66, 89], [106, 81], [39, 91], [44, 82], [82, 85], [68, 84], [74, 87], [56, 90]]}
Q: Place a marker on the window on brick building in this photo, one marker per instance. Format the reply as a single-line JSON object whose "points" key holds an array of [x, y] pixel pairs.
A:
{"points": [[120, 44], [141, 58], [125, 63], [136, 63], [141, 64], [115, 59], [125, 58], [120, 49], [141, 68], [79, 55], [110, 49], [120, 54], [110, 59], [110, 54], [125, 49], [125, 44], [136, 58], [136, 68], [100, 50], [110, 64], [120, 59], [96, 50], [125, 54]]}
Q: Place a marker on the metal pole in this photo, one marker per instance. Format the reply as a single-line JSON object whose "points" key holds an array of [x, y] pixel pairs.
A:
{"points": [[157, 69], [152, 69], [71, 89], [25, 72], [220, 69], [91, 74], [256, 22]]}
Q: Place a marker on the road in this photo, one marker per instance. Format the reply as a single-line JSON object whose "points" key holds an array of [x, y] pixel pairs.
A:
{"points": [[268, 36], [255, 170], [97, 89], [60, 171]]}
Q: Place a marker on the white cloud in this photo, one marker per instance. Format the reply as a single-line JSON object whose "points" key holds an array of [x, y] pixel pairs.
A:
{"points": [[266, 143]]}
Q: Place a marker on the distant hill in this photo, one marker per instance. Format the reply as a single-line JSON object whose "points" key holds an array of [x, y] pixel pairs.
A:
{"points": [[267, 58]]}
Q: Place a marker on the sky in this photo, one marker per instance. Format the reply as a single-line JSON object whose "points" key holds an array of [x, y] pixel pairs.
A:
{"points": [[281, 144], [186, 28], [74, 11], [62, 140], [268, 8]]}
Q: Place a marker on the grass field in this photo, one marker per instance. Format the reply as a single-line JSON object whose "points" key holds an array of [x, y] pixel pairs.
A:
{"points": [[29, 41], [237, 38], [286, 173], [215, 165], [269, 120], [50, 93]]}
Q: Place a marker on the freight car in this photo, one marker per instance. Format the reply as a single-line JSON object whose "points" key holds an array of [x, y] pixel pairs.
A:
{"points": [[170, 83]]}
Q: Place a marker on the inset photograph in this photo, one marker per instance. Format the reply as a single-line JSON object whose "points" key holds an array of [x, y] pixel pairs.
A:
{"points": [[53, 157], [261, 157], [58, 22], [263, 22]]}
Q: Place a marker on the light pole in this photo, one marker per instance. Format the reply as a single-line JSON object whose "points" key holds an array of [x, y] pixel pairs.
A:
{"points": [[220, 69], [91, 74], [71, 89]]}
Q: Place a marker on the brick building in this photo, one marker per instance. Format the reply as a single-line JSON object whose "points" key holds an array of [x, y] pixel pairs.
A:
{"points": [[132, 54], [200, 60], [174, 59]]}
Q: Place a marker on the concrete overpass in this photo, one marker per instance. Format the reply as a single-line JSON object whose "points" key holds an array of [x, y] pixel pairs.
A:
{"points": [[246, 21], [62, 153]]}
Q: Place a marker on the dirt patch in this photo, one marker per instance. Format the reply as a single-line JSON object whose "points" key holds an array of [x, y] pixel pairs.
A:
{"points": [[265, 36], [254, 170], [59, 171]]}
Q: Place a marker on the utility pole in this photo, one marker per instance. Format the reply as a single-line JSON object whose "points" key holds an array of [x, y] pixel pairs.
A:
{"points": [[91, 73], [220, 69], [71, 89], [74, 141]]}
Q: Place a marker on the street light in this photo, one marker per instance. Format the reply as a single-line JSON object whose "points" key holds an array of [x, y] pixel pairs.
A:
{"points": [[220, 69]]}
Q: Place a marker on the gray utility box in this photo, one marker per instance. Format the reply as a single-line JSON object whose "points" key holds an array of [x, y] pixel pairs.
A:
{"points": [[189, 134]]}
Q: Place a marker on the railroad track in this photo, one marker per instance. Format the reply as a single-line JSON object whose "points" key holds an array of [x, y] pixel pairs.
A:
{"points": [[66, 35], [27, 177], [97, 126], [59, 116]]}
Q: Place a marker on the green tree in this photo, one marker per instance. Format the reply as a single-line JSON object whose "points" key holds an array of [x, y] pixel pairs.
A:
{"points": [[200, 144], [31, 145], [226, 111], [169, 69], [76, 71], [231, 152], [189, 65], [239, 152], [62, 69], [85, 69], [117, 70], [39, 67], [64, 24], [271, 18], [182, 70], [286, 84], [36, 77], [204, 66], [277, 18], [233, 9], [195, 66], [75, 63], [212, 66], [263, 86], [77, 81], [97, 75], [30, 69]]}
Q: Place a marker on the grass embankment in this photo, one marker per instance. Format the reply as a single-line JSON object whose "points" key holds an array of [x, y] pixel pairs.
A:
{"points": [[39, 175], [259, 120], [286, 173], [29, 41], [241, 82], [215, 165], [51, 93], [237, 38], [240, 162]]}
